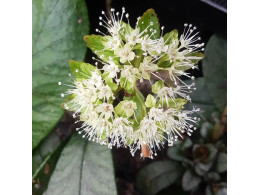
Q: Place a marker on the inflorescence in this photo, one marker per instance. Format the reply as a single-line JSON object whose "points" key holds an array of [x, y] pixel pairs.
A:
{"points": [[129, 57]]}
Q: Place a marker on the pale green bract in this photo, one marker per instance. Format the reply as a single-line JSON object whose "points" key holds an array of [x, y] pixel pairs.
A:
{"points": [[111, 103]]}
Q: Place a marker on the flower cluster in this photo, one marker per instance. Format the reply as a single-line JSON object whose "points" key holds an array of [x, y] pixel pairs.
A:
{"points": [[110, 102]]}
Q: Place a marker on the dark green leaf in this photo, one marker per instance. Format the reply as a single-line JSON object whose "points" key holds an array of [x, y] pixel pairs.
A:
{"points": [[190, 180], [215, 70], [204, 156], [44, 159], [176, 154], [222, 162], [214, 176], [200, 171], [206, 129], [84, 167], [216, 189], [145, 24], [201, 99], [157, 176], [42, 153], [57, 31]]}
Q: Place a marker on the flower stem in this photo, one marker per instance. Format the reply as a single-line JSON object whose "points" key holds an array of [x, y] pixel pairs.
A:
{"points": [[140, 97]]}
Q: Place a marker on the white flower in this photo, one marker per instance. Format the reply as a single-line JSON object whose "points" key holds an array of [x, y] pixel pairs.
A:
{"points": [[105, 110], [85, 95], [167, 93], [95, 79], [149, 45], [113, 43], [105, 93], [113, 25], [122, 132], [182, 51], [180, 122], [125, 53], [133, 37], [149, 135], [111, 68], [146, 67], [130, 73]]}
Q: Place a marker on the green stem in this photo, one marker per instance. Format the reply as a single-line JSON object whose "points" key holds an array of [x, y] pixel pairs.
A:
{"points": [[140, 97]]}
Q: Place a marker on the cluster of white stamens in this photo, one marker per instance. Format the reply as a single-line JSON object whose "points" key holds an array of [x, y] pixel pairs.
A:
{"points": [[138, 54]]}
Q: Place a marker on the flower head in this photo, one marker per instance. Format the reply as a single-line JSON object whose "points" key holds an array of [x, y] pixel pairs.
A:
{"points": [[110, 102]]}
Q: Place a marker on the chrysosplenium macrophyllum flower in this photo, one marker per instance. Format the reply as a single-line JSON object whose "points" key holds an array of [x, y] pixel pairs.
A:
{"points": [[113, 102]]}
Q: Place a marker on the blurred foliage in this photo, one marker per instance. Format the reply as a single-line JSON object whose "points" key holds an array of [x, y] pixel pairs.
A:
{"points": [[201, 159], [214, 69]]}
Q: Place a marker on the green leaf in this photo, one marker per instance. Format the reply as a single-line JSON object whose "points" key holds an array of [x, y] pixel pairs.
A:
{"points": [[222, 162], [68, 102], [204, 156], [170, 37], [57, 31], [214, 68], [44, 159], [206, 129], [123, 110], [109, 81], [178, 103], [216, 189], [164, 62], [197, 56], [176, 154], [81, 69], [214, 176], [43, 153], [201, 99], [140, 112], [190, 180], [149, 17], [157, 176], [150, 101], [97, 45], [128, 86], [84, 168], [157, 86]]}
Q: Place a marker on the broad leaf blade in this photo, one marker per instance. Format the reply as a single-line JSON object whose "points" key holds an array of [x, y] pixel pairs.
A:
{"points": [[157, 176], [149, 21], [42, 153], [215, 70], [44, 159], [201, 98], [83, 168], [190, 180], [58, 28]]}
